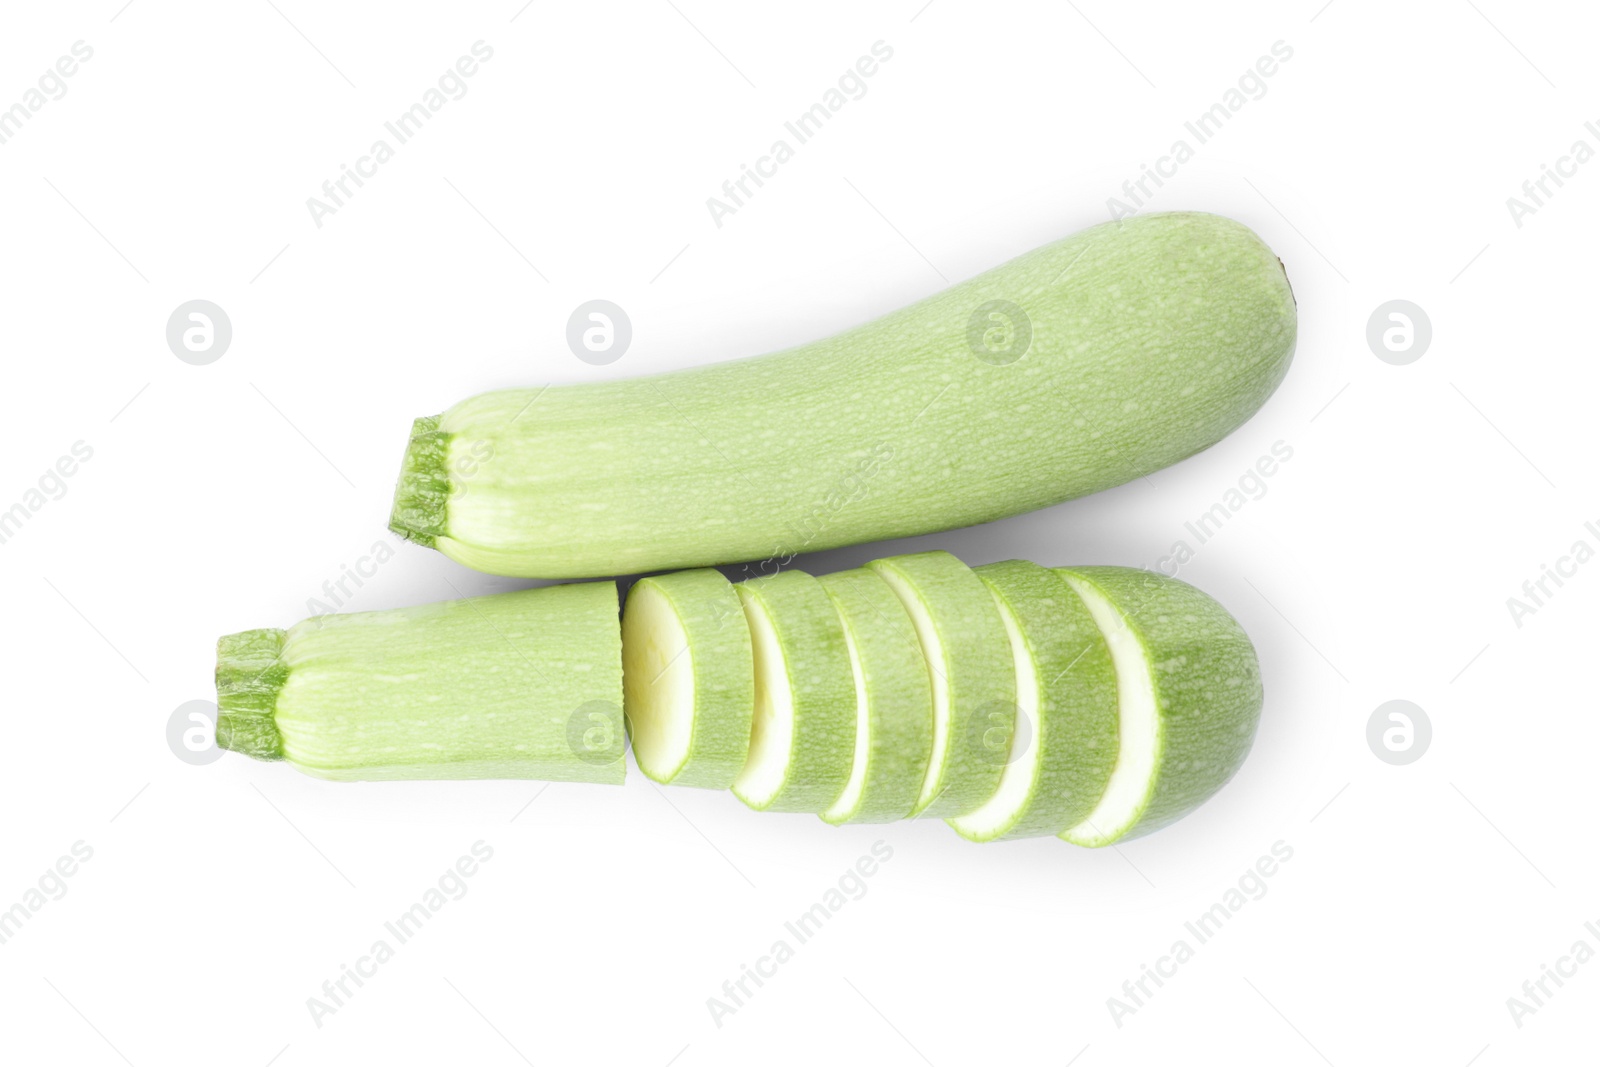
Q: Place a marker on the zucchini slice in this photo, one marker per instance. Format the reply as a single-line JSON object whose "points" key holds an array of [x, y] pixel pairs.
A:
{"points": [[1188, 695], [803, 732], [515, 685], [688, 678], [972, 675], [1065, 743], [894, 701]]}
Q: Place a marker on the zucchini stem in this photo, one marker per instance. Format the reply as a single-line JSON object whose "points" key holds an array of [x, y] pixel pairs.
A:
{"points": [[249, 674], [423, 491]]}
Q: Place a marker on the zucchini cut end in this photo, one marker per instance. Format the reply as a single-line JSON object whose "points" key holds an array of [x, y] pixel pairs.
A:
{"points": [[1139, 726], [250, 672], [848, 804], [688, 678], [933, 782], [422, 494], [996, 817], [772, 725], [658, 673]]}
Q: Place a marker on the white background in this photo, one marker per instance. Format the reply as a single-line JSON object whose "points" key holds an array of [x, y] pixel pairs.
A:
{"points": [[1377, 566]]}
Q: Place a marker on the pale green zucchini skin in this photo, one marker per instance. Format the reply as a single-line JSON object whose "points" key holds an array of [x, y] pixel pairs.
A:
{"points": [[530, 685], [525, 684], [816, 662], [1136, 343], [1208, 693], [968, 656], [899, 697], [1071, 745], [718, 655]]}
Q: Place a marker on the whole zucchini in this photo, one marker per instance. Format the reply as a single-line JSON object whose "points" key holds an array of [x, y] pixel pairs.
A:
{"points": [[1076, 367]]}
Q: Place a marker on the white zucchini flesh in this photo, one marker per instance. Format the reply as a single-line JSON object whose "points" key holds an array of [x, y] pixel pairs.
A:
{"points": [[1138, 728], [972, 674], [802, 737], [688, 678], [993, 819], [894, 701], [850, 799], [772, 724], [1189, 699], [1065, 744]]}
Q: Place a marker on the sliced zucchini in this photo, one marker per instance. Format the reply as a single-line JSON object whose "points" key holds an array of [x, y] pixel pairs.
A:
{"points": [[1188, 693], [974, 682], [803, 732], [1065, 744], [894, 701], [688, 678]]}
